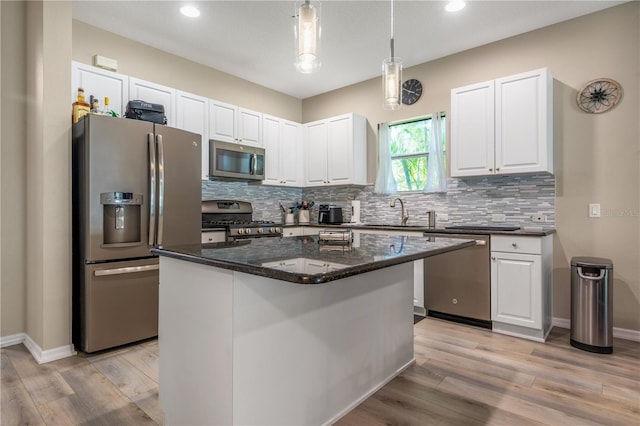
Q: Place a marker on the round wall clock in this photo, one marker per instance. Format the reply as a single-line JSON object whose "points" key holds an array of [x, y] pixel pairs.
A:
{"points": [[599, 95], [411, 91]]}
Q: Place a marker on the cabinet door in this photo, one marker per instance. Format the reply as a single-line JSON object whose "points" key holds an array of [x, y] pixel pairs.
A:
{"points": [[340, 150], [472, 130], [249, 127], [271, 143], [101, 83], [192, 114], [316, 153], [516, 284], [291, 154], [155, 94], [222, 119], [523, 123]]}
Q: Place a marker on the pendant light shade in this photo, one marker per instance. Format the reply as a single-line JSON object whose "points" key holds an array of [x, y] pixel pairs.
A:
{"points": [[392, 77], [392, 83], [307, 37]]}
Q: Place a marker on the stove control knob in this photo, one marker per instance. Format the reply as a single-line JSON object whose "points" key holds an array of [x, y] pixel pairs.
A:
{"points": [[277, 230], [240, 231], [247, 231], [260, 230]]}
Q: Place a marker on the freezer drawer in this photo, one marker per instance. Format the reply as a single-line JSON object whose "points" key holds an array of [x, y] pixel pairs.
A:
{"points": [[118, 304]]}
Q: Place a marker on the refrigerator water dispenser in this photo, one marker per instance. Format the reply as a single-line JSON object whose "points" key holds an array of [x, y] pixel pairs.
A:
{"points": [[121, 218]]}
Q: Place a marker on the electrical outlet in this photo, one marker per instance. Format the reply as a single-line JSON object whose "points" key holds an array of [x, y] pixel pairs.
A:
{"points": [[594, 210], [538, 218], [498, 218]]}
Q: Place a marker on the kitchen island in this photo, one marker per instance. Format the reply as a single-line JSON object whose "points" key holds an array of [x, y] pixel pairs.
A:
{"points": [[285, 331]]}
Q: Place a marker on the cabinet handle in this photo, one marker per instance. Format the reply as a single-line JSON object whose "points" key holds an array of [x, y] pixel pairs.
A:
{"points": [[514, 245], [497, 169], [493, 258], [490, 170]]}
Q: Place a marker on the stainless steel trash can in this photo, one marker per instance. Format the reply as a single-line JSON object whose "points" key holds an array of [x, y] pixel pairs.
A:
{"points": [[591, 304]]}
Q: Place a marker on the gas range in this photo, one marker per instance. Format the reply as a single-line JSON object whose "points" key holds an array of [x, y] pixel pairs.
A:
{"points": [[236, 218]]}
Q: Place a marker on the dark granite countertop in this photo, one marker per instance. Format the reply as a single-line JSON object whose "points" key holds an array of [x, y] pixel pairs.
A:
{"points": [[529, 231], [303, 260]]}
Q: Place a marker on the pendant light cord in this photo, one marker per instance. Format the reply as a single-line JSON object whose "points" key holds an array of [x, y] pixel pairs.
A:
{"points": [[392, 29]]}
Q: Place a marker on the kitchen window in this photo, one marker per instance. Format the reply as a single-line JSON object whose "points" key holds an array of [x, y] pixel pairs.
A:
{"points": [[409, 149]]}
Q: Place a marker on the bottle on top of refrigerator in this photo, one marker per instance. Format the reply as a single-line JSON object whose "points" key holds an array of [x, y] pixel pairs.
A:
{"points": [[80, 107]]}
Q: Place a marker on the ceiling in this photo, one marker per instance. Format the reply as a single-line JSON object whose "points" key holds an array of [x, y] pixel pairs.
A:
{"points": [[253, 40]]}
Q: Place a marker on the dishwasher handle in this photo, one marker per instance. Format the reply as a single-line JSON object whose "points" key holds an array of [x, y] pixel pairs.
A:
{"points": [[478, 241]]}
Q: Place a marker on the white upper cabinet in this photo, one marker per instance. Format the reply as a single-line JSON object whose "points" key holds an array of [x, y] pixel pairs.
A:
{"points": [[316, 153], [472, 130], [503, 126], [524, 123], [156, 94], [192, 114], [336, 151], [230, 123], [282, 141], [100, 83]]}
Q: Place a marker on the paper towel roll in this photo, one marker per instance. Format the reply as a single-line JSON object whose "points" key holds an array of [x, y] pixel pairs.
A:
{"points": [[355, 211]]}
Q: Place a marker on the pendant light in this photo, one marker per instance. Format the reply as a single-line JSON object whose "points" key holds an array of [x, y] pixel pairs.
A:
{"points": [[307, 37], [392, 77]]}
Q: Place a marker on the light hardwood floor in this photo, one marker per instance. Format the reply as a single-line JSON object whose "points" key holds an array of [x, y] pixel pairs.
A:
{"points": [[462, 376]]}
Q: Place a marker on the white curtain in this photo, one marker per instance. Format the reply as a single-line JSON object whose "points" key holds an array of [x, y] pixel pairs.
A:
{"points": [[436, 174], [385, 183]]}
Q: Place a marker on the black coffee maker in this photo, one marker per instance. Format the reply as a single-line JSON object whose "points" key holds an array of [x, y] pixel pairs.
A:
{"points": [[329, 214]]}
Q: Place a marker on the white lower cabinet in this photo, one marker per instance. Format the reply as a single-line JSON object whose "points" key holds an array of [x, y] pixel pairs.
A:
{"points": [[521, 281]]}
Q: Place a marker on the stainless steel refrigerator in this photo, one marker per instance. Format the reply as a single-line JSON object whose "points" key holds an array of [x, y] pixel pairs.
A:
{"points": [[136, 185]]}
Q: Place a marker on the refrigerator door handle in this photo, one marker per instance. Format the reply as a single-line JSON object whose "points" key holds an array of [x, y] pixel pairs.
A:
{"points": [[152, 189], [127, 270], [160, 189]]}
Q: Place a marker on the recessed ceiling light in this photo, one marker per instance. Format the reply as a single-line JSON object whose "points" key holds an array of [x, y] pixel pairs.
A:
{"points": [[454, 6], [190, 11]]}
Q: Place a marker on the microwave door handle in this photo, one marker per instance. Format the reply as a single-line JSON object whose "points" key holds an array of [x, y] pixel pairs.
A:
{"points": [[252, 164], [152, 189], [160, 189]]}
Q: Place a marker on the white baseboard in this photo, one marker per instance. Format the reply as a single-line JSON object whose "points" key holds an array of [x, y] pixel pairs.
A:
{"points": [[620, 333], [14, 339], [36, 351]]}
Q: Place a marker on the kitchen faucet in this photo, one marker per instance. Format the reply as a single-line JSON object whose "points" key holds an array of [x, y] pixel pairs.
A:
{"points": [[405, 217]]}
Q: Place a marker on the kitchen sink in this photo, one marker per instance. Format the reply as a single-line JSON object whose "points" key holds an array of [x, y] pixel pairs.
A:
{"points": [[381, 225], [483, 228]]}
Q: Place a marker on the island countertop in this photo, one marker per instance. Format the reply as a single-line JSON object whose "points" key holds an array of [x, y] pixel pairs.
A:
{"points": [[304, 260]]}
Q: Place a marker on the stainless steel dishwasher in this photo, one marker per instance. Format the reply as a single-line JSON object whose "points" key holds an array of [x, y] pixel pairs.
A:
{"points": [[458, 283]]}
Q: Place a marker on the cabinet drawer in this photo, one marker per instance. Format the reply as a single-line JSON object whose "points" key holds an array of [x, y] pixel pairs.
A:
{"points": [[291, 232], [532, 245], [213, 237]]}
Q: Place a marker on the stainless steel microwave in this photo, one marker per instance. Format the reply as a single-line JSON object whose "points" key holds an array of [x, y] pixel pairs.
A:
{"points": [[235, 161]]}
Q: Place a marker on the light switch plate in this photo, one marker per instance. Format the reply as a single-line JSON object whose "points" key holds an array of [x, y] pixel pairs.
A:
{"points": [[594, 210]]}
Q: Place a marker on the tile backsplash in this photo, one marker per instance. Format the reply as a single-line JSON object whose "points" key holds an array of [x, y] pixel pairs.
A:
{"points": [[468, 201]]}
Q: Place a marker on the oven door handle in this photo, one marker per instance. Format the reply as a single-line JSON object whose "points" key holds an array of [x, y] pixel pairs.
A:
{"points": [[127, 270]]}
